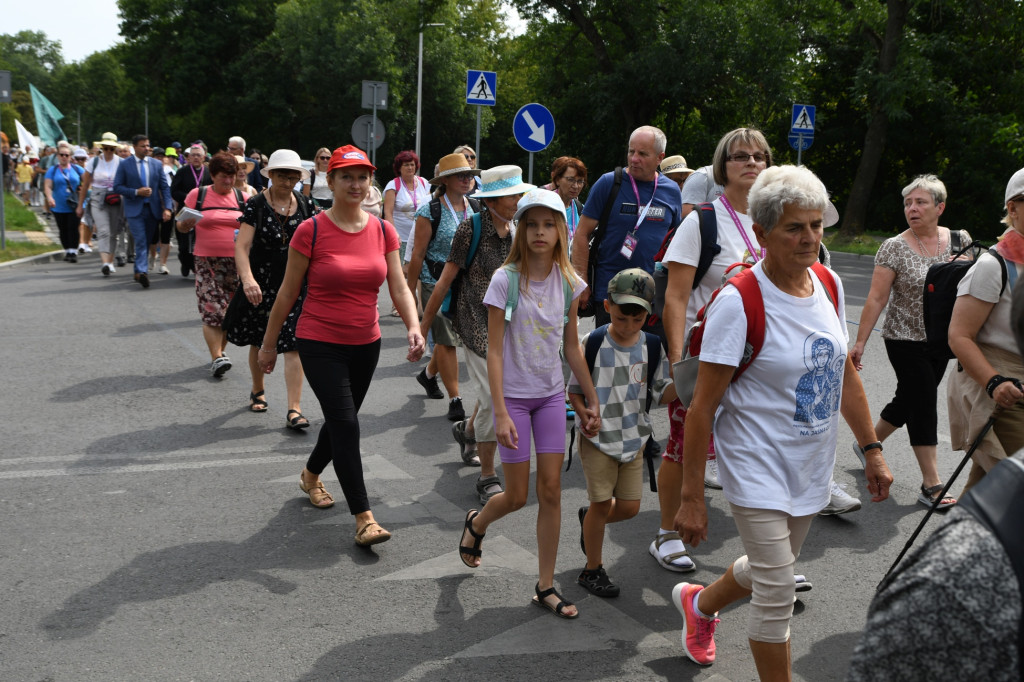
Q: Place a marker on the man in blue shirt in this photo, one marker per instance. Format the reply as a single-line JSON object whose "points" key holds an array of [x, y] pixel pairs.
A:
{"points": [[648, 204]]}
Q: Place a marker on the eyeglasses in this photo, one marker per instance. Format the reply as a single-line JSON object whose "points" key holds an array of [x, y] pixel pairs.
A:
{"points": [[743, 157], [290, 178], [63, 155], [470, 157], [324, 158], [464, 176], [575, 182]]}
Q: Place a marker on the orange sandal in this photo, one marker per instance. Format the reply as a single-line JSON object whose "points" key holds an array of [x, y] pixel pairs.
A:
{"points": [[318, 495]]}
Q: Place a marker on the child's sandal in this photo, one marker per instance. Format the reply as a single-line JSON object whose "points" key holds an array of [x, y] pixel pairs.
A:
{"points": [[596, 581], [559, 608]]}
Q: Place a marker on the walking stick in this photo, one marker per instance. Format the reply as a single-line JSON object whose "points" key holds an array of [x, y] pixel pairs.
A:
{"points": [[935, 505]]}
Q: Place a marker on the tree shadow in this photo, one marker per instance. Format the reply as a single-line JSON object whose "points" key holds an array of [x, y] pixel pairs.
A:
{"points": [[179, 382], [290, 540]]}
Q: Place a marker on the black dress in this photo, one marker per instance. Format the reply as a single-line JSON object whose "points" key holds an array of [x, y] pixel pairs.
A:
{"points": [[268, 258]]}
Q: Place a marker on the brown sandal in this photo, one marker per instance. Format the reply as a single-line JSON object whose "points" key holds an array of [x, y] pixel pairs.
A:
{"points": [[318, 495], [365, 540]]}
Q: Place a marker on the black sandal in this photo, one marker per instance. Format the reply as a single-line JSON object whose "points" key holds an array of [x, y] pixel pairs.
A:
{"points": [[257, 401], [298, 422], [477, 539], [557, 608], [597, 582]]}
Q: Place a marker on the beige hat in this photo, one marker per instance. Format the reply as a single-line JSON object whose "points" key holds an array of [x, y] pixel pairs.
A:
{"points": [[244, 163], [501, 181], [108, 140], [674, 164], [284, 159], [452, 164]]}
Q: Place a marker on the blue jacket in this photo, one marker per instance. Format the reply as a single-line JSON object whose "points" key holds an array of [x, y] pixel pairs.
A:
{"points": [[127, 182]]}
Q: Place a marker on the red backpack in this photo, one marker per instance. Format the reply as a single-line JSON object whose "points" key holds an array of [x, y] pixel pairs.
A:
{"points": [[753, 305]]}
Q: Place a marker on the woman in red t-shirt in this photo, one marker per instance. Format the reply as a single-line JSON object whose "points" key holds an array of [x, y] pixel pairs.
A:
{"points": [[344, 255]]}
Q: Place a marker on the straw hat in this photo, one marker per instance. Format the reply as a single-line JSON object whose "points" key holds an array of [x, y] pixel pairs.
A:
{"points": [[244, 163], [453, 164], [108, 140], [674, 164], [502, 181]]}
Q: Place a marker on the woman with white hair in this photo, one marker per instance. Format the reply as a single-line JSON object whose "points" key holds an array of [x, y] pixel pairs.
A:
{"points": [[898, 279], [776, 432]]}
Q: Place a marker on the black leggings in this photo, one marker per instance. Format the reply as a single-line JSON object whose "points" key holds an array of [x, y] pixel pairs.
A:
{"points": [[67, 225], [340, 376], [918, 373]]}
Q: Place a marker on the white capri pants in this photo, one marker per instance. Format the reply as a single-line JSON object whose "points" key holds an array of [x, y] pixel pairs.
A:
{"points": [[108, 222], [772, 539]]}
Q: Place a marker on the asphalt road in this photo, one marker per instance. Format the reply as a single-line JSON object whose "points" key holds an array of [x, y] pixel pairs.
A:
{"points": [[153, 528]]}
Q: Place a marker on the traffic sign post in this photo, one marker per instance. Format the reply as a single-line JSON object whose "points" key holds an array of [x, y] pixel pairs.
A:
{"points": [[482, 91], [801, 129], [534, 129], [375, 96], [367, 134]]}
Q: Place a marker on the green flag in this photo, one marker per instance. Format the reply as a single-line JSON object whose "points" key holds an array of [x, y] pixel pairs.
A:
{"points": [[47, 116]]}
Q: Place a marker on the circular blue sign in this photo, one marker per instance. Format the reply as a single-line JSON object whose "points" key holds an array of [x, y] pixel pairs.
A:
{"points": [[800, 142], [533, 127]]}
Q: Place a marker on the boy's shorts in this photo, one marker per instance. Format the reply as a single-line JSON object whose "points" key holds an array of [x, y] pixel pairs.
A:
{"points": [[607, 477]]}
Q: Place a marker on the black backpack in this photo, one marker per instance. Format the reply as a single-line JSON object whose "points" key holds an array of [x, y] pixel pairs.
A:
{"points": [[434, 267], [202, 198], [940, 285], [595, 241]]}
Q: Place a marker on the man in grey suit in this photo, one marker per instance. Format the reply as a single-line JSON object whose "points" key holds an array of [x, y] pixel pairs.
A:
{"points": [[142, 184]]}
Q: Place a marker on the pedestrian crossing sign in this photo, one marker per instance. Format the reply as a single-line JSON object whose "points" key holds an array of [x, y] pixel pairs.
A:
{"points": [[481, 87], [803, 119]]}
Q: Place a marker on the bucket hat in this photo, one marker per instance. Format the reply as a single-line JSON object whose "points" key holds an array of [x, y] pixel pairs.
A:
{"points": [[283, 159]]}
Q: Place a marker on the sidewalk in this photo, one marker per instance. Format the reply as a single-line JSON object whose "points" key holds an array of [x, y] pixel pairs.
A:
{"points": [[49, 235]]}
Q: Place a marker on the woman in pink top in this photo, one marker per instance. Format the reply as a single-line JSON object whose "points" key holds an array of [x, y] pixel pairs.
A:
{"points": [[216, 279], [344, 255]]}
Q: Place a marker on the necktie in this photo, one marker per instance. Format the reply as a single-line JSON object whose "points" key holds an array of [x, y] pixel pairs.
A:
{"points": [[142, 172]]}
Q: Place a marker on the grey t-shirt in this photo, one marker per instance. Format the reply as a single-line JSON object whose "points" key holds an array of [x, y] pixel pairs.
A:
{"points": [[701, 187]]}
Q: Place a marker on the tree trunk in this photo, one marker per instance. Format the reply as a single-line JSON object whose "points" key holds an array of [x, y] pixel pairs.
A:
{"points": [[878, 127]]}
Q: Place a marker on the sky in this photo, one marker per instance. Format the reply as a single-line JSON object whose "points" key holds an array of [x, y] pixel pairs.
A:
{"points": [[82, 26]]}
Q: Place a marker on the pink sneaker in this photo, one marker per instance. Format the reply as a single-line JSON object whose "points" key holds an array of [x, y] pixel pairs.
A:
{"points": [[698, 633]]}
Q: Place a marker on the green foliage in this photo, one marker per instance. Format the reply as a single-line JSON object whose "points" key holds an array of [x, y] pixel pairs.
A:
{"points": [[17, 217]]}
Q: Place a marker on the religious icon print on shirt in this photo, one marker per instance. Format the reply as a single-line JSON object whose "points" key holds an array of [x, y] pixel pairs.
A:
{"points": [[819, 390]]}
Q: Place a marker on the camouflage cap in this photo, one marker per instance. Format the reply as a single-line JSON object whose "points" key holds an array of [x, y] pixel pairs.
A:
{"points": [[632, 286]]}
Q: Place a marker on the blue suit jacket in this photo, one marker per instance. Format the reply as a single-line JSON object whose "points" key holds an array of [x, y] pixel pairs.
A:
{"points": [[127, 181]]}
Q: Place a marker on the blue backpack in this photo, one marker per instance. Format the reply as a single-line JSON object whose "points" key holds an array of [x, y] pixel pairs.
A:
{"points": [[513, 294], [451, 300]]}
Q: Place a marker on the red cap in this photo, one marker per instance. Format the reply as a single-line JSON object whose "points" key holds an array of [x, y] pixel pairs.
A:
{"points": [[346, 156]]}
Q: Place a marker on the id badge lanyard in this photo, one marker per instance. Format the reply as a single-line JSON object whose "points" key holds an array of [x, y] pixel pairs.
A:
{"points": [[756, 255], [454, 212], [629, 244]]}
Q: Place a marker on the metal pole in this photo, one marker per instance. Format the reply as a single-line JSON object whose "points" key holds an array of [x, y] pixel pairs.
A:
{"points": [[419, 94], [147, 118], [478, 108], [799, 148], [373, 136], [529, 177]]}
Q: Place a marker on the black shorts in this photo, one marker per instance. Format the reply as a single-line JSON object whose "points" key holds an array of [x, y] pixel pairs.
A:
{"points": [[163, 235]]}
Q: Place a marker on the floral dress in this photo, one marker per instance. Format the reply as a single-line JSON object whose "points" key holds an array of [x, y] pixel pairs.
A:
{"points": [[268, 258]]}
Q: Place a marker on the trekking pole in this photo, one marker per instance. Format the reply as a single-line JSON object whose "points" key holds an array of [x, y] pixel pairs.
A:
{"points": [[935, 504]]}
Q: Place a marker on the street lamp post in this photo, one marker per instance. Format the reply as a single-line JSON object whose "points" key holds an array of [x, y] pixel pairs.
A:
{"points": [[419, 88]]}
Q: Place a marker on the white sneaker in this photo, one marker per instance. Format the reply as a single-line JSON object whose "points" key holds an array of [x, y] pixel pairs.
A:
{"points": [[107, 269], [162, 269], [840, 503], [84, 248], [711, 474]]}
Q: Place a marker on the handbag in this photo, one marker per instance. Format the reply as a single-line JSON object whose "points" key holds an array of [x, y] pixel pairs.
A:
{"points": [[112, 199]]}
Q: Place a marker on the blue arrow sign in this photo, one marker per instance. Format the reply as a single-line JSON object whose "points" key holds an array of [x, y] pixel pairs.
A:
{"points": [[481, 88], [802, 122], [533, 127]]}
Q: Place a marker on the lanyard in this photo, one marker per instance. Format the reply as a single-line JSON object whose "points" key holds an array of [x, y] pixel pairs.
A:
{"points": [[572, 217], [465, 213], [198, 177], [641, 214], [743, 233], [415, 190]]}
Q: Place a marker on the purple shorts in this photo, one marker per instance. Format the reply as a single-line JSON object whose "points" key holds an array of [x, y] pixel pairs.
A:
{"points": [[546, 416]]}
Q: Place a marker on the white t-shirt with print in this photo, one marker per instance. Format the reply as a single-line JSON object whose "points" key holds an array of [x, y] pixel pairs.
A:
{"points": [[776, 427], [685, 248]]}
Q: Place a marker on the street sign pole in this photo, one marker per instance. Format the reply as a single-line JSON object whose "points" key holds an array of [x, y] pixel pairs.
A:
{"points": [[529, 175], [799, 148], [478, 110], [373, 128]]}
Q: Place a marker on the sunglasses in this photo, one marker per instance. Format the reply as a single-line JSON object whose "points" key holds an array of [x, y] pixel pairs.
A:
{"points": [[325, 158], [63, 155], [470, 157]]}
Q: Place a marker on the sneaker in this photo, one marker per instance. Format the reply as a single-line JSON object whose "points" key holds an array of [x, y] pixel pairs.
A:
{"points": [[469, 457], [597, 582], [72, 257], [107, 269], [430, 385], [143, 279], [802, 583], [119, 261], [487, 487], [711, 474], [841, 502], [698, 633], [456, 412], [163, 270], [570, 414], [84, 248], [859, 451], [219, 366]]}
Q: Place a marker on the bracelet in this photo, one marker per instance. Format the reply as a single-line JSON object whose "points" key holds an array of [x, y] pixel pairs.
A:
{"points": [[993, 383], [877, 445], [264, 350]]}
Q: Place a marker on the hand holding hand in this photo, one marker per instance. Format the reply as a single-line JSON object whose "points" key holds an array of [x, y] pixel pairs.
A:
{"points": [[417, 344]]}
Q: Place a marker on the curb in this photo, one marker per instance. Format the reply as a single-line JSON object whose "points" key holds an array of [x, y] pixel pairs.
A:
{"points": [[48, 257]]}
